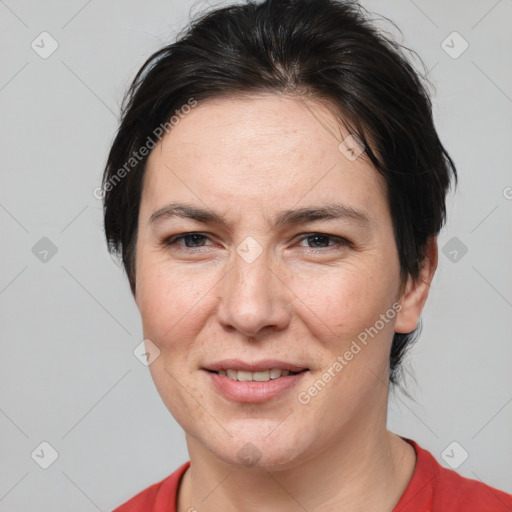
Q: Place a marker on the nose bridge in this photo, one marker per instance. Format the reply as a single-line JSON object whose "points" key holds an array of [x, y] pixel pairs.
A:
{"points": [[252, 296]]}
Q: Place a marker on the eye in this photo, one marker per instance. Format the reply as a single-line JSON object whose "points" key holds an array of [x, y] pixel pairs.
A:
{"points": [[316, 242], [187, 240], [322, 241]]}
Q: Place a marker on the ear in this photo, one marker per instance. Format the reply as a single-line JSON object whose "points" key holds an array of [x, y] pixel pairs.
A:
{"points": [[416, 290]]}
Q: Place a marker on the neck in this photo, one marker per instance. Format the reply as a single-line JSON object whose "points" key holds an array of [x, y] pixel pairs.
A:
{"points": [[366, 468]]}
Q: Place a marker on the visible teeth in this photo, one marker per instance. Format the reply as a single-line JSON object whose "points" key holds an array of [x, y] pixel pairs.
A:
{"points": [[232, 374], [244, 376], [263, 376], [276, 373]]}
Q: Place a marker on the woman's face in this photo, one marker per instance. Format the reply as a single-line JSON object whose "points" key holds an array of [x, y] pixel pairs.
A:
{"points": [[291, 263]]}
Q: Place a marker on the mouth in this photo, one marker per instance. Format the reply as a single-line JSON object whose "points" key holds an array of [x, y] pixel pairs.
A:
{"points": [[260, 376], [240, 381]]}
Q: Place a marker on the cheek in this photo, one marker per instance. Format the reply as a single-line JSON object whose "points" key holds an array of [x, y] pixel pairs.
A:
{"points": [[174, 305], [173, 302], [344, 301]]}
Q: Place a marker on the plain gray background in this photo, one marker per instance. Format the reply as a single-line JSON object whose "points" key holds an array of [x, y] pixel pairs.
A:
{"points": [[69, 324]]}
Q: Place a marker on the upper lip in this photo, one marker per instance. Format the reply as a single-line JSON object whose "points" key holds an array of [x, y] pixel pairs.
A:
{"points": [[257, 366]]}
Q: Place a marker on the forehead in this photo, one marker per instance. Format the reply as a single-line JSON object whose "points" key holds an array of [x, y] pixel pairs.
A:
{"points": [[260, 149]]}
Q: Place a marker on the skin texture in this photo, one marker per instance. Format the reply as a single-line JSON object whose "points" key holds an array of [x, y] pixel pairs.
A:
{"points": [[301, 300]]}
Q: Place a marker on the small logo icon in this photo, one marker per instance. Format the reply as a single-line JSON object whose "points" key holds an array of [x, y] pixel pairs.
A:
{"points": [[351, 147], [44, 250], [454, 455], [249, 454], [454, 45], [249, 249], [44, 455], [454, 249], [44, 45], [146, 352]]}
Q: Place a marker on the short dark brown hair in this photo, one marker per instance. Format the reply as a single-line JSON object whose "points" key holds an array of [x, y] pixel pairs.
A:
{"points": [[323, 49]]}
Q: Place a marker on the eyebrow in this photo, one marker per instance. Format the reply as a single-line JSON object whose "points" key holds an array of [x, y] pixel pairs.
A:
{"points": [[283, 218]]}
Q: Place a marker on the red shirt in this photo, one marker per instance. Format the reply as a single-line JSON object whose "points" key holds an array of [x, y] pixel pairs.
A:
{"points": [[432, 488]]}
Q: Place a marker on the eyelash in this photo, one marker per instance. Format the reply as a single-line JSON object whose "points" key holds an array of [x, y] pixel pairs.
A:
{"points": [[338, 241]]}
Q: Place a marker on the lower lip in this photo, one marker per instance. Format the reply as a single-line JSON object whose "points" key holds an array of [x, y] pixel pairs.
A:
{"points": [[253, 392]]}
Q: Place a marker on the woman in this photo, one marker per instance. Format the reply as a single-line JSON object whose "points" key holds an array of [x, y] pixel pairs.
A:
{"points": [[275, 189]]}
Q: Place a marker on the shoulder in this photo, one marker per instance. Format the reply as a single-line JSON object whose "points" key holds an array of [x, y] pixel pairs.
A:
{"points": [[157, 496], [434, 488]]}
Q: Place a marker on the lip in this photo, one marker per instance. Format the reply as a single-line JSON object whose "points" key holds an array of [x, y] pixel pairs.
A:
{"points": [[259, 366], [253, 391]]}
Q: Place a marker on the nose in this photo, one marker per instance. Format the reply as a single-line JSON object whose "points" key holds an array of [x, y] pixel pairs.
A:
{"points": [[254, 298]]}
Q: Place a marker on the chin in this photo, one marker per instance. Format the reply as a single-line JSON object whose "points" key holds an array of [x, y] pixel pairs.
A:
{"points": [[261, 451]]}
